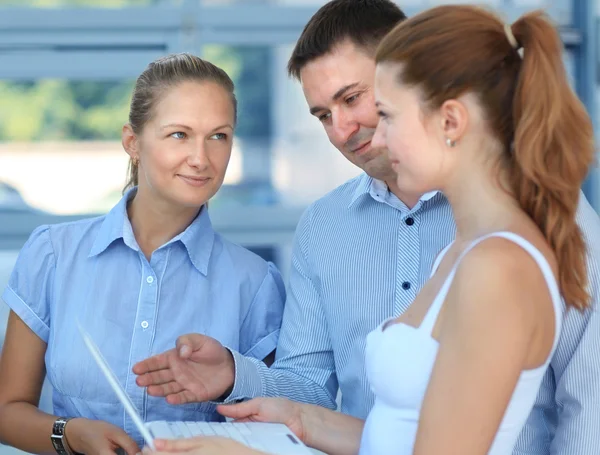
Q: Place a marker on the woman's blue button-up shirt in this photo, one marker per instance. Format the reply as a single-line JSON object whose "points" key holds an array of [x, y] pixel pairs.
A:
{"points": [[94, 271]]}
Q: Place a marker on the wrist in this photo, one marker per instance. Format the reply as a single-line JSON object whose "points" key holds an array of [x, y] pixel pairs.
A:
{"points": [[229, 376], [70, 435], [311, 420], [58, 437]]}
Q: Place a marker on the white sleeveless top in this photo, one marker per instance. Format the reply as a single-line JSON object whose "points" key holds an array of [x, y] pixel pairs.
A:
{"points": [[400, 359]]}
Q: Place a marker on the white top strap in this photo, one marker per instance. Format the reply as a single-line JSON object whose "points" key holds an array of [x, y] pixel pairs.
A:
{"points": [[438, 259], [433, 312]]}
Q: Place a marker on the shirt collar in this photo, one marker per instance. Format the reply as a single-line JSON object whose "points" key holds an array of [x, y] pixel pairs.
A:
{"points": [[363, 187], [378, 189], [198, 238], [112, 227], [429, 195]]}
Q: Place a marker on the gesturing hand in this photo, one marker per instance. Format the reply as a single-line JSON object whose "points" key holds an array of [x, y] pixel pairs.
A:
{"points": [[198, 369]]}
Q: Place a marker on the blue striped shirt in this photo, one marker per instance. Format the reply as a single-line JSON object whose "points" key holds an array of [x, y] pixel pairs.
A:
{"points": [[361, 256]]}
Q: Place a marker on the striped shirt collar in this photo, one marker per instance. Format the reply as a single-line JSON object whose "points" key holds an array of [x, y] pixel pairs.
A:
{"points": [[379, 191]]}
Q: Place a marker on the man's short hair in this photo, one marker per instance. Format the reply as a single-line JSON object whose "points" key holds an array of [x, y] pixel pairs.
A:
{"points": [[362, 22]]}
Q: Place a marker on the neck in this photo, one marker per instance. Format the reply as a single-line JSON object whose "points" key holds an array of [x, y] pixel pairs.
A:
{"points": [[480, 205], [410, 200], [155, 222]]}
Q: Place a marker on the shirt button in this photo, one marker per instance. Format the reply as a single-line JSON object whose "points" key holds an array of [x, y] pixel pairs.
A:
{"points": [[145, 324], [150, 280], [409, 221], [406, 285]]}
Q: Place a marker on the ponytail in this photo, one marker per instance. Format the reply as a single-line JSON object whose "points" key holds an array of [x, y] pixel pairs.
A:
{"points": [[552, 152], [451, 50]]}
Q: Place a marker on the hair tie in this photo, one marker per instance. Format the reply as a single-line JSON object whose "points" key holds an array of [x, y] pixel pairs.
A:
{"points": [[512, 40]]}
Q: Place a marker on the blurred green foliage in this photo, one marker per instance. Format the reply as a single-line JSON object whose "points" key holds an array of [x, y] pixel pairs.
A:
{"points": [[96, 110], [62, 110], [51, 109]]}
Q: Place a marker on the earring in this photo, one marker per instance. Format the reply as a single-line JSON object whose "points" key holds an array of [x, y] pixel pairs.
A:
{"points": [[450, 142], [135, 160]]}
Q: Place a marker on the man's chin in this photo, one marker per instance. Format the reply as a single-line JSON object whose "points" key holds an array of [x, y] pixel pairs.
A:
{"points": [[378, 168]]}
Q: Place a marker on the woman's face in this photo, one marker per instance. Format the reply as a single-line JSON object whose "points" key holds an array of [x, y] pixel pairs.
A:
{"points": [[184, 149], [414, 142]]}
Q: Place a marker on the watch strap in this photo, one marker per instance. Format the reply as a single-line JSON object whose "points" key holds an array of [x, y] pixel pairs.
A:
{"points": [[58, 438]]}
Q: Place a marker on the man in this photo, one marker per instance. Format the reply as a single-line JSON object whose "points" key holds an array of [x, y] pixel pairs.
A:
{"points": [[361, 254]]}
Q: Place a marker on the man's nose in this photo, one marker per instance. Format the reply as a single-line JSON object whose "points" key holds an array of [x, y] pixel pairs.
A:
{"points": [[344, 126]]}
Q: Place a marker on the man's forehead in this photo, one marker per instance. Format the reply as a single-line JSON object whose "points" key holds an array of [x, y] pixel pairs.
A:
{"points": [[342, 60], [330, 76]]}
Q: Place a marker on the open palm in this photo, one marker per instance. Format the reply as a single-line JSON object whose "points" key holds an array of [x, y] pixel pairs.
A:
{"points": [[198, 369]]}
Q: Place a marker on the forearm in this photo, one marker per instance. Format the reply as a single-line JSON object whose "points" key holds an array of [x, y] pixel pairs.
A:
{"points": [[254, 379], [331, 432], [25, 427]]}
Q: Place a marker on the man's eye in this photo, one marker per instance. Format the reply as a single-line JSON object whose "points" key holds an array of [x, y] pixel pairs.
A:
{"points": [[352, 99]]}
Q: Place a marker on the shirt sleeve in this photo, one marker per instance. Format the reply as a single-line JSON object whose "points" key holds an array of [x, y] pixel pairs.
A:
{"points": [[29, 289], [577, 369], [566, 416], [304, 368], [260, 329]]}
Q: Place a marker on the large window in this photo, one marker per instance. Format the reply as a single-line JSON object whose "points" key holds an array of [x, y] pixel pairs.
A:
{"points": [[59, 143], [66, 78], [60, 148]]}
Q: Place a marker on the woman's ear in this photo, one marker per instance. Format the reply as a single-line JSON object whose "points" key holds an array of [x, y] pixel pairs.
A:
{"points": [[130, 141], [455, 119]]}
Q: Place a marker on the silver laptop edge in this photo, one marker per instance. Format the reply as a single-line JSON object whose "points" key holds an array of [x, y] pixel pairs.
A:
{"points": [[126, 401], [116, 386]]}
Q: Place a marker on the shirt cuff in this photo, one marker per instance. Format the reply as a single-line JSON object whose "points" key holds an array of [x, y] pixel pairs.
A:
{"points": [[26, 314], [247, 383]]}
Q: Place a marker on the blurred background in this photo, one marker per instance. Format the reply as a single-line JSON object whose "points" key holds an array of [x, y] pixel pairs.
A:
{"points": [[67, 69]]}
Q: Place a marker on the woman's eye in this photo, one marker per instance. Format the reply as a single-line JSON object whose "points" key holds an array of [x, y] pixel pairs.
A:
{"points": [[179, 135], [219, 136]]}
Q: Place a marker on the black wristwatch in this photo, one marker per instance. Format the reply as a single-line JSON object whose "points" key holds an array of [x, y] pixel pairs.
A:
{"points": [[59, 441]]}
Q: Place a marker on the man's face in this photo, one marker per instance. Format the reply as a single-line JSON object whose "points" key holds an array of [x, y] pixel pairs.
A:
{"points": [[339, 90]]}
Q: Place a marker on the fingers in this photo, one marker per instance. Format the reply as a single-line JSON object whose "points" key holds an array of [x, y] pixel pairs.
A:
{"points": [[209, 445], [157, 377], [163, 390], [158, 362], [239, 410], [187, 344], [108, 450], [183, 397], [122, 439], [181, 445]]}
